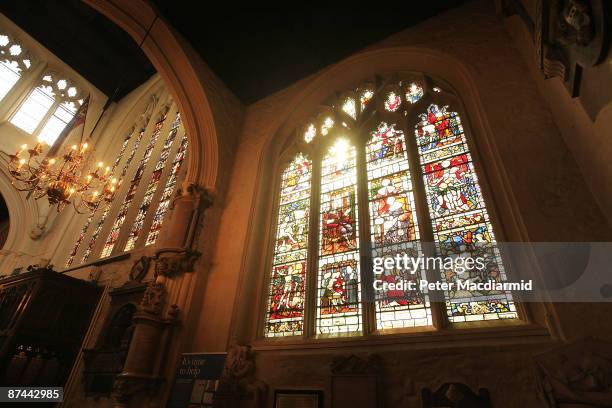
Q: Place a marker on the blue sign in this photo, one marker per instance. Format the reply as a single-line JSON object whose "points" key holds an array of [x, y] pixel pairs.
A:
{"points": [[196, 380]]}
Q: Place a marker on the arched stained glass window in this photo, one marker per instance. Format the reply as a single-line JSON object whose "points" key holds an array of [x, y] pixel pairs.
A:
{"points": [[394, 177], [393, 227], [338, 282], [90, 218], [107, 206], [285, 306], [460, 220], [152, 185], [113, 235], [104, 210], [164, 201]]}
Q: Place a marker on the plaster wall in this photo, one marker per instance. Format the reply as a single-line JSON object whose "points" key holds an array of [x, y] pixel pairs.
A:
{"points": [[587, 139]]}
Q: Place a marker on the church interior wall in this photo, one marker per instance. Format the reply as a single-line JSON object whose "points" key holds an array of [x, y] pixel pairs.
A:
{"points": [[523, 154]]}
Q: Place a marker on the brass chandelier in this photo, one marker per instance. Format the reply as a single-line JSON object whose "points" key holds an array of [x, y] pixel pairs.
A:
{"points": [[63, 179]]}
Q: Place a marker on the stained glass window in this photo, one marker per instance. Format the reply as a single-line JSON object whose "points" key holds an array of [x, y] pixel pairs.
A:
{"points": [[328, 123], [90, 218], [392, 102], [365, 98], [350, 107], [370, 181], [286, 295], [166, 196], [393, 227], [460, 220], [152, 186], [414, 92], [107, 206], [338, 280], [311, 132], [113, 235]]}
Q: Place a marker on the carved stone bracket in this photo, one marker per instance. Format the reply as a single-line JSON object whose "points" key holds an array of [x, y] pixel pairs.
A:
{"points": [[171, 262], [569, 36], [127, 386], [238, 380], [576, 374]]}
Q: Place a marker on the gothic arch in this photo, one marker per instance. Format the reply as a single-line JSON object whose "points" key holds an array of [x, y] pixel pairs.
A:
{"points": [[176, 63], [341, 76]]}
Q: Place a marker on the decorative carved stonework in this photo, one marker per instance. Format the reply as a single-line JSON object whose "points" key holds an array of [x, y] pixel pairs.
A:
{"points": [[153, 299], [125, 387], [140, 268], [577, 25], [576, 375], [357, 382], [238, 380], [173, 262], [353, 365], [569, 35], [189, 188], [455, 395]]}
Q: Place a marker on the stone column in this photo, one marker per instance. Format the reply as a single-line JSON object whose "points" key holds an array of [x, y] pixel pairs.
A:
{"points": [[187, 207], [158, 312], [140, 373]]}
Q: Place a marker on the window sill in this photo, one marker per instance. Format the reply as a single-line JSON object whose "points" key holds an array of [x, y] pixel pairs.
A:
{"points": [[456, 335]]}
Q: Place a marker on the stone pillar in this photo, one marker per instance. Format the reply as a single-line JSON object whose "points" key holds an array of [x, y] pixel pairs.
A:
{"points": [[140, 373], [187, 207], [158, 312]]}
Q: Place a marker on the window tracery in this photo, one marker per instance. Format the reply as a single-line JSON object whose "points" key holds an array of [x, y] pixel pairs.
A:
{"points": [[393, 170]]}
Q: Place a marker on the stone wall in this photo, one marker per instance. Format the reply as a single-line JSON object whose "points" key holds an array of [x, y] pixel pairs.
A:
{"points": [[537, 192]]}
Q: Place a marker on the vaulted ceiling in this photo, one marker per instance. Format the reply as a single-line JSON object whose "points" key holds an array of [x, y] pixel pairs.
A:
{"points": [[254, 53]]}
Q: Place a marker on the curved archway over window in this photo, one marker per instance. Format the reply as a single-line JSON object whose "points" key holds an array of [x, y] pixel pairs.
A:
{"points": [[385, 170]]}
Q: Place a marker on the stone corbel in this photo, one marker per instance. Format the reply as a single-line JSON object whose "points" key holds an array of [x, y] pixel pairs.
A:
{"points": [[171, 262], [569, 37], [127, 386], [238, 385]]}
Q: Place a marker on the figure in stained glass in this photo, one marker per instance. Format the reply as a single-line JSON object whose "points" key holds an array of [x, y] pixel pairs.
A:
{"points": [[392, 215], [287, 289], [292, 229], [338, 219], [339, 286]]}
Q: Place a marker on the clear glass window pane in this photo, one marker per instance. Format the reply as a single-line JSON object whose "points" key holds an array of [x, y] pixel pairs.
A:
{"points": [[34, 109], [56, 123], [9, 75]]}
